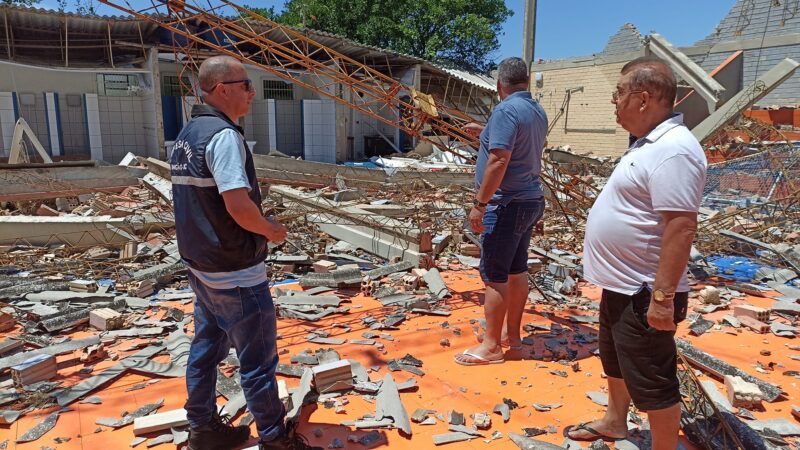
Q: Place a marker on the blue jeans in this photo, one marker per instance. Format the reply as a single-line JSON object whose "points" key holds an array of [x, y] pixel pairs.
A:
{"points": [[506, 238], [244, 317]]}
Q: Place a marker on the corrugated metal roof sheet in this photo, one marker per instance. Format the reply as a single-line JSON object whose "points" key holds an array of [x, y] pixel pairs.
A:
{"points": [[481, 81], [39, 18]]}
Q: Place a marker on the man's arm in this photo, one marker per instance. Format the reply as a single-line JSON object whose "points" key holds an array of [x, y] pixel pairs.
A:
{"points": [[676, 243], [493, 174], [248, 216]]}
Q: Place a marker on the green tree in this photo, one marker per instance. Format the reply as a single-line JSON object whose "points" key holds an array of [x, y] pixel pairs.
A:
{"points": [[458, 33], [269, 13]]}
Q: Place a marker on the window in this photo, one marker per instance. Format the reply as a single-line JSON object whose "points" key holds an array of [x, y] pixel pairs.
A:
{"points": [[119, 85], [278, 90], [173, 86]]}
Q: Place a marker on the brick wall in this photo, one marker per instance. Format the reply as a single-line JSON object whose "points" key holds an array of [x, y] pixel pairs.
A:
{"points": [[591, 126]]}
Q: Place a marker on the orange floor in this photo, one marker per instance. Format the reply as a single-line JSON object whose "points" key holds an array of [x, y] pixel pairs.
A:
{"points": [[446, 385]]}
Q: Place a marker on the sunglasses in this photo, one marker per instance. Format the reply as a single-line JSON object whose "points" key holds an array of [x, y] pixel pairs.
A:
{"points": [[617, 94], [248, 84]]}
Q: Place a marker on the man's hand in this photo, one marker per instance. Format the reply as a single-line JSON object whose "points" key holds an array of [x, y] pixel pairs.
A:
{"points": [[276, 232], [473, 129], [661, 315], [248, 216], [476, 219]]}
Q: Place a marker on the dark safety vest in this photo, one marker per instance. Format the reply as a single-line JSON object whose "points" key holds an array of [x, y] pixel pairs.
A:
{"points": [[209, 239]]}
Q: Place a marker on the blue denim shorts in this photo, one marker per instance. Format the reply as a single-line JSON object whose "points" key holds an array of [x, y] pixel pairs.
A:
{"points": [[506, 238]]}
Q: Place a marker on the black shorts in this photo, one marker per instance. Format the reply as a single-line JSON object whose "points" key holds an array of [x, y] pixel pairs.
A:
{"points": [[644, 357]]}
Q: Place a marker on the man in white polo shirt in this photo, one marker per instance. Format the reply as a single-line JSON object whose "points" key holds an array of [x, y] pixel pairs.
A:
{"points": [[638, 237]]}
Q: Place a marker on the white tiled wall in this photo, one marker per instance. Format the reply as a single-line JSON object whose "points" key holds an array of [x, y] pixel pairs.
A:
{"points": [[31, 107], [289, 127], [7, 120], [259, 126], [74, 139], [366, 125], [93, 126], [319, 130], [122, 126]]}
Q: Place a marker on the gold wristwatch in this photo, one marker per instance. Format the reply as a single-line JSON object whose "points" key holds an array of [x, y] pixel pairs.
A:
{"points": [[660, 296]]}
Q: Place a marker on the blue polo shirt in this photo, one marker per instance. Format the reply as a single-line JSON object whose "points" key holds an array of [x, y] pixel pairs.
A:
{"points": [[519, 124]]}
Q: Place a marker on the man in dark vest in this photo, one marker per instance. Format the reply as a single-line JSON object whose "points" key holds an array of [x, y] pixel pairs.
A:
{"points": [[222, 237]]}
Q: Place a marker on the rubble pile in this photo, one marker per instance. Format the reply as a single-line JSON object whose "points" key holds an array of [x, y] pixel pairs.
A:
{"points": [[364, 280]]}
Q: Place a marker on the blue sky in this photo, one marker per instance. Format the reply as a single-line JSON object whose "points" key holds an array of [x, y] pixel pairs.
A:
{"points": [[575, 27], [567, 28]]}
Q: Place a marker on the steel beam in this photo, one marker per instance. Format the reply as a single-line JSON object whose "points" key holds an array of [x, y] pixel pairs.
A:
{"points": [[687, 69], [745, 99]]}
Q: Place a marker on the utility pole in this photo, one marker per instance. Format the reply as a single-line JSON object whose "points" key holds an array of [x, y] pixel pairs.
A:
{"points": [[529, 32]]}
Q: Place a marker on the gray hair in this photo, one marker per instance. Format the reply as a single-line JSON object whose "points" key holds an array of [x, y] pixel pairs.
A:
{"points": [[513, 71], [215, 69], [653, 75]]}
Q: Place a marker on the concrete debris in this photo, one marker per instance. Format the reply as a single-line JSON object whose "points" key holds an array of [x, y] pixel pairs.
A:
{"points": [[372, 257], [389, 405], [37, 368], [40, 429], [57, 349], [720, 369], [781, 426], [503, 410], [526, 443], [159, 422], [742, 394], [598, 398], [710, 295], [455, 418], [9, 417], [449, 438], [128, 419], [482, 420], [333, 376], [716, 396]]}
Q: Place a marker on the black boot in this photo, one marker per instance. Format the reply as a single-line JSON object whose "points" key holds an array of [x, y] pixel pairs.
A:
{"points": [[218, 434], [290, 441]]}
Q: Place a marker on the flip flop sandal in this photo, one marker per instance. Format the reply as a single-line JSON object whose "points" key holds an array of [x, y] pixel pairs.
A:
{"points": [[481, 361], [595, 434]]}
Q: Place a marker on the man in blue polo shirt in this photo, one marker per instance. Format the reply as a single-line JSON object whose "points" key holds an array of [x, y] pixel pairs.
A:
{"points": [[508, 204]]}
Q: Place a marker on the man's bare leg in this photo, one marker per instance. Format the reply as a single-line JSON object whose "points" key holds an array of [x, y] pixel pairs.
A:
{"points": [[664, 425], [517, 296], [615, 422], [494, 307]]}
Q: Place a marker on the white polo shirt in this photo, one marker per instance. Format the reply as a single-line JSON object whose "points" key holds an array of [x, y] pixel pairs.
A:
{"points": [[663, 171]]}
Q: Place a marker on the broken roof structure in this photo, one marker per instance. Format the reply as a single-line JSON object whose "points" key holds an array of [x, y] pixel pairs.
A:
{"points": [[376, 286], [764, 31]]}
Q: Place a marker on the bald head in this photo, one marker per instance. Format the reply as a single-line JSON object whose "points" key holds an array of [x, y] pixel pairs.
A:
{"points": [[653, 75], [217, 69]]}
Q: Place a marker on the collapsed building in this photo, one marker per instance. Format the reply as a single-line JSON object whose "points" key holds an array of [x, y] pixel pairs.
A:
{"points": [[376, 283], [101, 87]]}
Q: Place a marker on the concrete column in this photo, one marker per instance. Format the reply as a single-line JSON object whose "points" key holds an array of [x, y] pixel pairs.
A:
{"points": [[272, 124], [158, 122], [343, 121], [529, 32], [92, 112], [53, 122]]}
